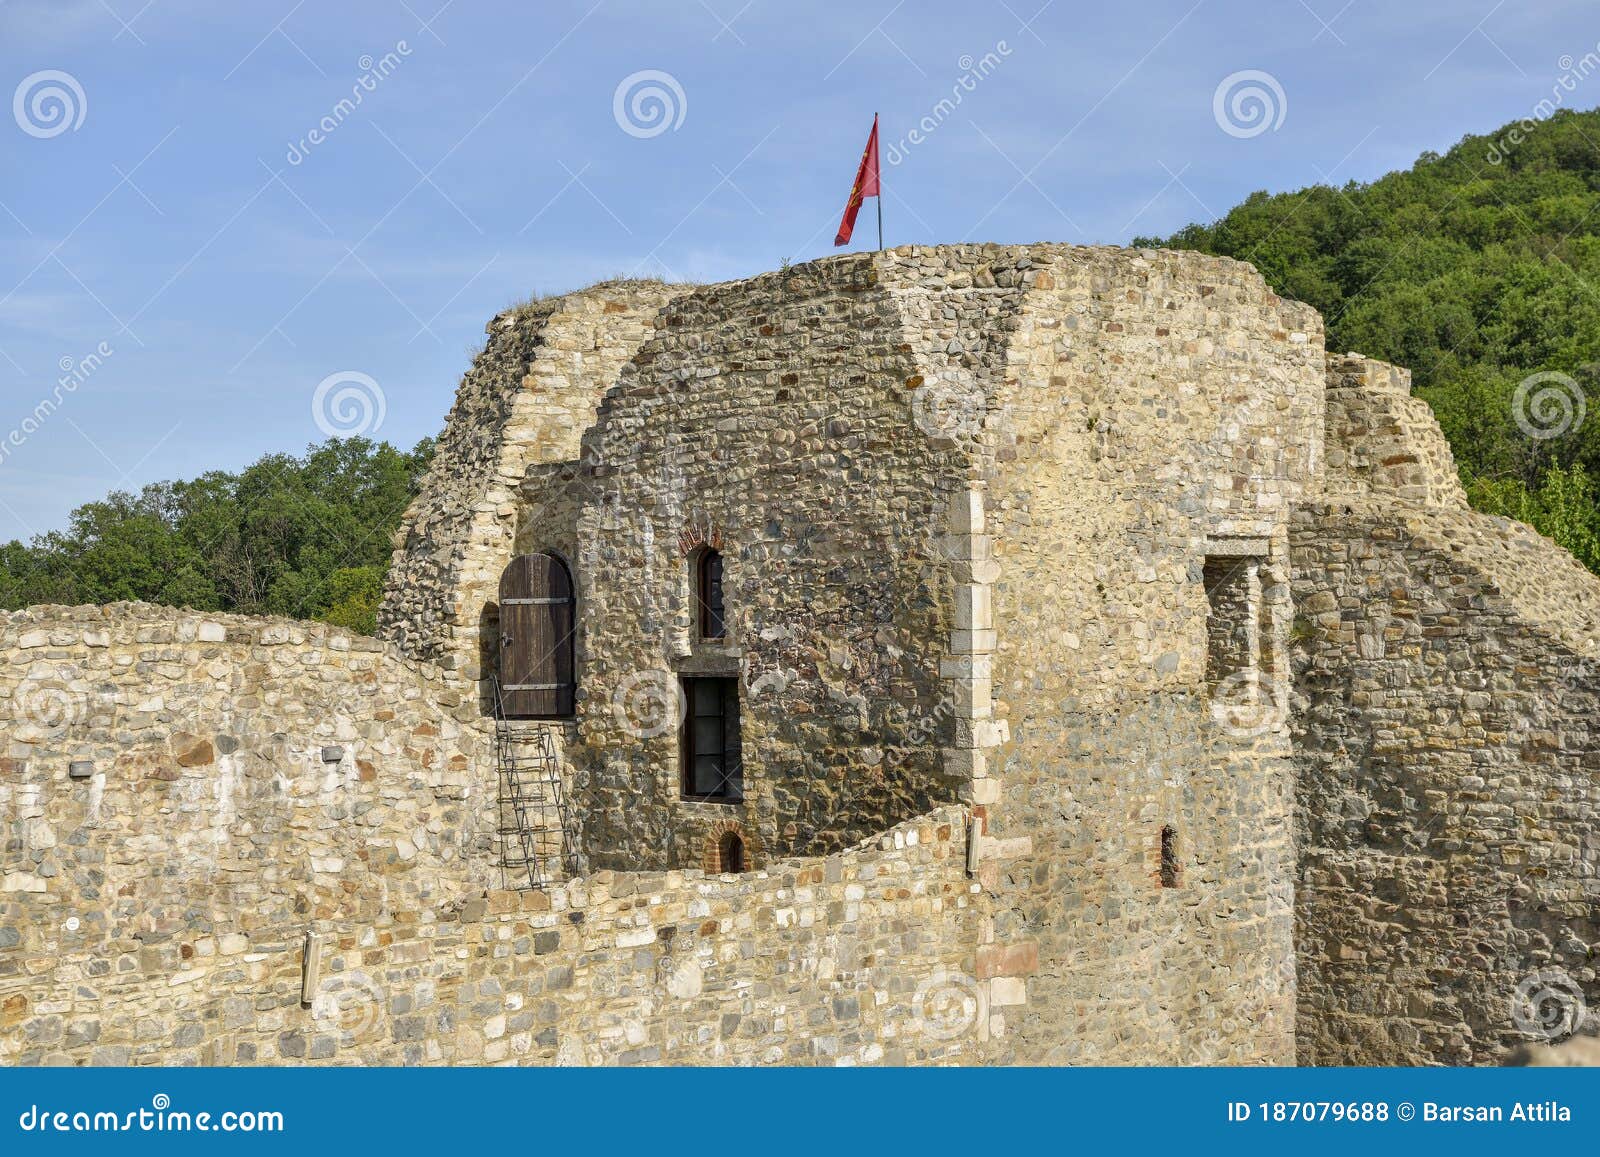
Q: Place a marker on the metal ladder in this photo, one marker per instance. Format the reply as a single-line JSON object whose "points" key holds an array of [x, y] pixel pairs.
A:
{"points": [[535, 822]]}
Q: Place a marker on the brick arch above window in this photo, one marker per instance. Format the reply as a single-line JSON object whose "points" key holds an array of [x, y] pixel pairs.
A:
{"points": [[699, 535], [716, 848]]}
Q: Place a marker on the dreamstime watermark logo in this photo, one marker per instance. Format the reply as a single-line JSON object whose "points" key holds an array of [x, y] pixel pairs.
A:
{"points": [[1547, 405], [1548, 1004], [1243, 706], [948, 1005], [1248, 103], [1572, 74], [649, 703], [1266, 1005], [74, 372], [348, 404], [160, 1117], [349, 1003], [648, 103], [973, 73], [50, 703], [373, 73], [952, 405], [684, 979], [1577, 676], [48, 103]]}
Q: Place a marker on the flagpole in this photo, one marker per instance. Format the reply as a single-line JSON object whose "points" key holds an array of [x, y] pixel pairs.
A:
{"points": [[880, 190]]}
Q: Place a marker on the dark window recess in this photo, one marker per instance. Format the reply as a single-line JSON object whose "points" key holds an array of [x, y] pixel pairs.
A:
{"points": [[730, 853], [537, 625], [708, 594], [1170, 872], [711, 763]]}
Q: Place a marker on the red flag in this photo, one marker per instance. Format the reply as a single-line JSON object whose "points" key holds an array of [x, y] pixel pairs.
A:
{"points": [[866, 186]]}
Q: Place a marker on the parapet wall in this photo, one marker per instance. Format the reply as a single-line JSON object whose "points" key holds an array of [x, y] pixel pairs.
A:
{"points": [[245, 781], [174, 783], [872, 956]]}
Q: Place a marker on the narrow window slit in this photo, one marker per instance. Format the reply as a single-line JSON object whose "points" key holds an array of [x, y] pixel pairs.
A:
{"points": [[708, 595], [1170, 871]]}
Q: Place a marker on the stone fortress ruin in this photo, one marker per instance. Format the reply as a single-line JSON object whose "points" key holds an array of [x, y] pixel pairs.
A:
{"points": [[963, 655]]}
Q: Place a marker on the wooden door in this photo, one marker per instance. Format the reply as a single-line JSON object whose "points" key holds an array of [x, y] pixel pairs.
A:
{"points": [[537, 624]]}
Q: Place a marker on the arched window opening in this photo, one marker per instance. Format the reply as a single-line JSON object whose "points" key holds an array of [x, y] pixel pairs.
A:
{"points": [[538, 624], [708, 595], [730, 853], [1170, 872]]}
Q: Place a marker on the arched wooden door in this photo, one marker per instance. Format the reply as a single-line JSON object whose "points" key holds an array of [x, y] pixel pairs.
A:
{"points": [[537, 625]]}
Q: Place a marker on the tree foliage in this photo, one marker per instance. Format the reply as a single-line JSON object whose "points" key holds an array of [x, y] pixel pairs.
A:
{"points": [[1475, 269], [306, 537]]}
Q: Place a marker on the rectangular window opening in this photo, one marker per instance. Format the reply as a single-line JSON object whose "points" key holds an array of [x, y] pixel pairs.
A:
{"points": [[712, 766], [1232, 628], [1244, 671]]}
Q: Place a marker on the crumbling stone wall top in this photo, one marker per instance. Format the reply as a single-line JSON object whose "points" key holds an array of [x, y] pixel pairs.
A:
{"points": [[527, 399], [1381, 441], [1547, 589]]}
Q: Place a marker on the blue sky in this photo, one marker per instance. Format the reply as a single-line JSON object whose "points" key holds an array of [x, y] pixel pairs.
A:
{"points": [[169, 223]]}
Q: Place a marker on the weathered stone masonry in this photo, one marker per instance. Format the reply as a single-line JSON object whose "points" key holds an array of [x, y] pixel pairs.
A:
{"points": [[773, 415], [1448, 684], [527, 400], [1161, 410], [253, 780], [1062, 404], [1118, 681]]}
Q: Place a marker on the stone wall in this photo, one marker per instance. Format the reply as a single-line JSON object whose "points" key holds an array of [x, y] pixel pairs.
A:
{"points": [[1449, 783], [872, 441], [185, 796], [866, 957], [771, 417], [1447, 680], [1383, 441], [527, 400], [174, 784], [1159, 409]]}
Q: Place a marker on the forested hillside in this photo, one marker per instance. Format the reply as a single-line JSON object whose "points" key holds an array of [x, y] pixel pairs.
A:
{"points": [[1478, 269], [302, 536]]}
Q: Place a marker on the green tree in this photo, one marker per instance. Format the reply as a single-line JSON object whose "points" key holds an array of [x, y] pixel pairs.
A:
{"points": [[1564, 507], [302, 536]]}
